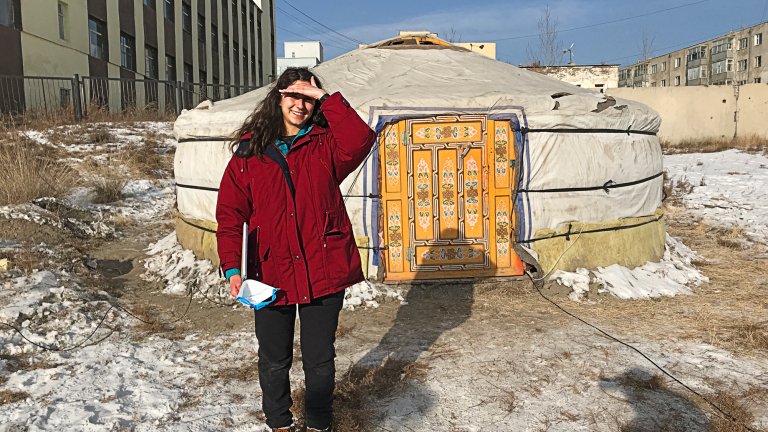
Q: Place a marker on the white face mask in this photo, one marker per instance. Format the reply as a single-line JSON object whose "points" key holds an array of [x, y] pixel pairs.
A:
{"points": [[256, 294]]}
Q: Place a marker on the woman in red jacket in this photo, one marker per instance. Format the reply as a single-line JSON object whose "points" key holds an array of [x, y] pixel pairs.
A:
{"points": [[295, 150]]}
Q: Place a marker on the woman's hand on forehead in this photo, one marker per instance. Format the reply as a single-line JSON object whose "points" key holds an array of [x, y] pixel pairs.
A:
{"points": [[302, 88]]}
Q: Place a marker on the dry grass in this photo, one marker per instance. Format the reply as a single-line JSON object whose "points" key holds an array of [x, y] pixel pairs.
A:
{"points": [[750, 143], [38, 120], [358, 389], [110, 181], [675, 190], [9, 397], [733, 406], [655, 382], [30, 171]]}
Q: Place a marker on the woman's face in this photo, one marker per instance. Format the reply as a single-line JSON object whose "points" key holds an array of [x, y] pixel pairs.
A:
{"points": [[297, 108]]}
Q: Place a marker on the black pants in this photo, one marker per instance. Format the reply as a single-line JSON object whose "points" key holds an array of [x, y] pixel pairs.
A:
{"points": [[274, 330]]}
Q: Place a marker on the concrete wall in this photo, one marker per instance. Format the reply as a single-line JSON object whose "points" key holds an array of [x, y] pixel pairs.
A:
{"points": [[697, 112]]}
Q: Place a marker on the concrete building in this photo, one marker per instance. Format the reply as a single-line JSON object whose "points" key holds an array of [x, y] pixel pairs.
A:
{"points": [[597, 77], [206, 41], [485, 48], [300, 54], [737, 58]]}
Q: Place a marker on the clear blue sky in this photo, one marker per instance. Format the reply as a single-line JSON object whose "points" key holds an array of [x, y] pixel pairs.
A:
{"points": [[371, 21]]}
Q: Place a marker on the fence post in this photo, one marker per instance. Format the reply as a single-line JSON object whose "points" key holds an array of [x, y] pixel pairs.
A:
{"points": [[76, 101], [178, 98]]}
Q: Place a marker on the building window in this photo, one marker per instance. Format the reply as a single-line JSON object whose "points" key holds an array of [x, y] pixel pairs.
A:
{"points": [[63, 33], [253, 67], [677, 62], [245, 59], [653, 84], [235, 50], [663, 66], [6, 12], [759, 61], [150, 4], [214, 38], [225, 48], [653, 69], [677, 80], [242, 13], [201, 28], [170, 68], [97, 34], [188, 77], [722, 66], [743, 65], [127, 52], [234, 9], [722, 45], [697, 72], [743, 43], [65, 97], [758, 80], [186, 17], [150, 62], [697, 53], [663, 83], [202, 77], [758, 39], [168, 9]]}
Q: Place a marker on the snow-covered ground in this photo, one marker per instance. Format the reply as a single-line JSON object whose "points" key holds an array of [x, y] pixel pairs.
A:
{"points": [[729, 188], [494, 370]]}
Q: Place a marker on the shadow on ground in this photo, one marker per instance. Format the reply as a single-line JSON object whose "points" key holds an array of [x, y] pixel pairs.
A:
{"points": [[656, 408]]}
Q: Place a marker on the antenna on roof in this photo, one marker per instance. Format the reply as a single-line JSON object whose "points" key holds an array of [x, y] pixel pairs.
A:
{"points": [[570, 54]]}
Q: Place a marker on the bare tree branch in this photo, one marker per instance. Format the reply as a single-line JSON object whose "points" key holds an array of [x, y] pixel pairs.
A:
{"points": [[647, 45], [451, 35], [549, 49]]}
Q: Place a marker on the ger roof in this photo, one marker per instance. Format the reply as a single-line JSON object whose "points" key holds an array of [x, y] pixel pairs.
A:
{"points": [[439, 76]]}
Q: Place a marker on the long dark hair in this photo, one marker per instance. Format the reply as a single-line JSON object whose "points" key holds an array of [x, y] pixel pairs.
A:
{"points": [[265, 123]]}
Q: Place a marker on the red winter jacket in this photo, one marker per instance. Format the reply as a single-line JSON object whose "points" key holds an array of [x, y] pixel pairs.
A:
{"points": [[302, 245]]}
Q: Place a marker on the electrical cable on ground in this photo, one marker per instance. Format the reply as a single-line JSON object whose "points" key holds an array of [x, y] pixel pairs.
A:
{"points": [[538, 283]]}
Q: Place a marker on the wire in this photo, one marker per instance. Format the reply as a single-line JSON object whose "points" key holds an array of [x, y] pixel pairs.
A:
{"points": [[606, 22], [615, 339], [50, 348], [689, 43], [325, 26], [312, 28], [561, 255], [305, 37]]}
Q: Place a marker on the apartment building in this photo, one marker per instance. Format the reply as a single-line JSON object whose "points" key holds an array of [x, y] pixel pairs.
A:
{"points": [[737, 58], [228, 42]]}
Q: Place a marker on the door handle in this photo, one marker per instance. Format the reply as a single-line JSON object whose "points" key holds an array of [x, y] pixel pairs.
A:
{"points": [[464, 153]]}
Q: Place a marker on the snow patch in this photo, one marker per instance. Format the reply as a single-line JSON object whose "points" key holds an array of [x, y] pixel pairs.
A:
{"points": [[729, 188], [180, 270], [670, 277]]}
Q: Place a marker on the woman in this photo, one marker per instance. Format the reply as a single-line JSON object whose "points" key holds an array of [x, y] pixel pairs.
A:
{"points": [[294, 151]]}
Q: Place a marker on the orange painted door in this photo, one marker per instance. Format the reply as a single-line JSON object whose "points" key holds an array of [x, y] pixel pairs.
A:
{"points": [[447, 183]]}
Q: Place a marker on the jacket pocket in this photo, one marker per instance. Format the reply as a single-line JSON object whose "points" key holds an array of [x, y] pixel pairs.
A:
{"points": [[263, 261], [342, 261]]}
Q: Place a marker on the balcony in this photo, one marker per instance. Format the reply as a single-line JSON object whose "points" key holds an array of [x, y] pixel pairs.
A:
{"points": [[723, 55], [696, 63], [721, 78]]}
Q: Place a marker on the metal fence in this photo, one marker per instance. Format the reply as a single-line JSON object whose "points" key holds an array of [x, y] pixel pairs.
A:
{"points": [[37, 94]]}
